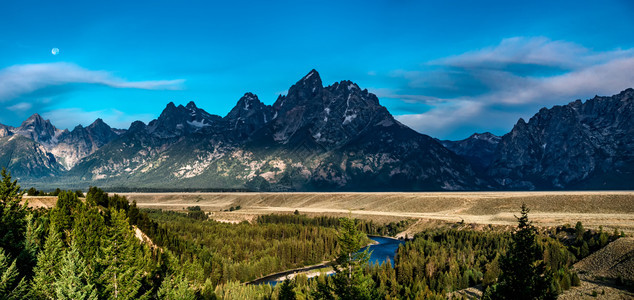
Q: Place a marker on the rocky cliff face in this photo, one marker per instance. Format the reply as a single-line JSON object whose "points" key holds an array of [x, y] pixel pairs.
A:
{"points": [[479, 149], [587, 145], [65, 147], [39, 130], [27, 159], [248, 115], [81, 142]]}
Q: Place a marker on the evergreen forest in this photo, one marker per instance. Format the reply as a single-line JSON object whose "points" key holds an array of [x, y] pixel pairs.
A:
{"points": [[101, 246]]}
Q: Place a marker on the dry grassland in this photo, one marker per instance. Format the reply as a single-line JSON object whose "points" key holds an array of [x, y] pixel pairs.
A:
{"points": [[594, 209]]}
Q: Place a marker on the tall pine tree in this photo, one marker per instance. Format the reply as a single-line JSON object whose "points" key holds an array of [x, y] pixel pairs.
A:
{"points": [[524, 273], [48, 266], [350, 283], [12, 215], [73, 282], [122, 261], [12, 286]]}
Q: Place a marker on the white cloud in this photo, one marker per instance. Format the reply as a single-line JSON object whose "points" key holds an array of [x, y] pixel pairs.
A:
{"points": [[532, 51], [440, 120], [19, 80], [502, 94], [22, 106]]}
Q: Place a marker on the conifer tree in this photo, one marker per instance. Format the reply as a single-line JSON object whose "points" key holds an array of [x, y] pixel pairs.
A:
{"points": [[122, 274], [350, 283], [12, 215], [62, 214], [48, 266], [73, 282], [286, 290], [11, 285], [524, 273], [176, 288]]}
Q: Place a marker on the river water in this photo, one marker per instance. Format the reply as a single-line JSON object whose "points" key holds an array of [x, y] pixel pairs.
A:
{"points": [[382, 251], [386, 248]]}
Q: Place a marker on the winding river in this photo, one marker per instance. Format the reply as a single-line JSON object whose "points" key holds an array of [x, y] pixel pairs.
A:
{"points": [[386, 248], [382, 251]]}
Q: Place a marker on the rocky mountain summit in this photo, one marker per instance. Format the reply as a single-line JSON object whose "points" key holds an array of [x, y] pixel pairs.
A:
{"points": [[336, 138], [581, 145], [478, 149], [48, 150]]}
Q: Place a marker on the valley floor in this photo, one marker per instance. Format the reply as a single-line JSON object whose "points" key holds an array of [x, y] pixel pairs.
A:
{"points": [[610, 209]]}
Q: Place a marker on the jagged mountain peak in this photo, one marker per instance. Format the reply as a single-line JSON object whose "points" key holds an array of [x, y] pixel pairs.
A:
{"points": [[137, 126], [311, 78], [249, 115], [38, 129], [98, 122], [249, 101], [191, 105], [573, 145], [35, 120], [180, 120], [307, 88], [486, 136]]}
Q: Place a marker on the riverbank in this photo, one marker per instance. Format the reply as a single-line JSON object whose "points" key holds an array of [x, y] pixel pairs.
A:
{"points": [[382, 249]]}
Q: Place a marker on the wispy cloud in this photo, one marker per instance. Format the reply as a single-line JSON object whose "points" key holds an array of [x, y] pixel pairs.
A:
{"points": [[22, 106], [19, 80], [480, 90]]}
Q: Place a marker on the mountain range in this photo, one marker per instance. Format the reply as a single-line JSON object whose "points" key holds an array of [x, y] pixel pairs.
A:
{"points": [[333, 138]]}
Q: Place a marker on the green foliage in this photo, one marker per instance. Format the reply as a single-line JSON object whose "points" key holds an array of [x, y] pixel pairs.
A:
{"points": [[579, 231], [96, 197], [11, 285], [199, 258], [12, 216], [349, 281], [236, 291], [31, 192], [575, 281], [440, 261], [586, 241], [286, 290], [524, 273], [176, 288], [56, 192], [65, 210], [48, 266], [225, 252], [368, 227], [120, 261], [196, 213], [73, 280]]}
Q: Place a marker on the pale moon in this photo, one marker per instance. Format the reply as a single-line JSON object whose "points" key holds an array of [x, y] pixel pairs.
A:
{"points": [[55, 51]]}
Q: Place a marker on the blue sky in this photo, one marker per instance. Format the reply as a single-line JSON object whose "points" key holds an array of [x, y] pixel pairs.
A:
{"points": [[444, 68]]}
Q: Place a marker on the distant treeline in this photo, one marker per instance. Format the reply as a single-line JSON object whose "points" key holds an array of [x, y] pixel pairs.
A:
{"points": [[34, 192], [175, 190], [367, 227], [54, 192]]}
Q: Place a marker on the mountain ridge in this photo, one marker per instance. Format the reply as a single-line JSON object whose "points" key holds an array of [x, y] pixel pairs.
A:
{"points": [[337, 137]]}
